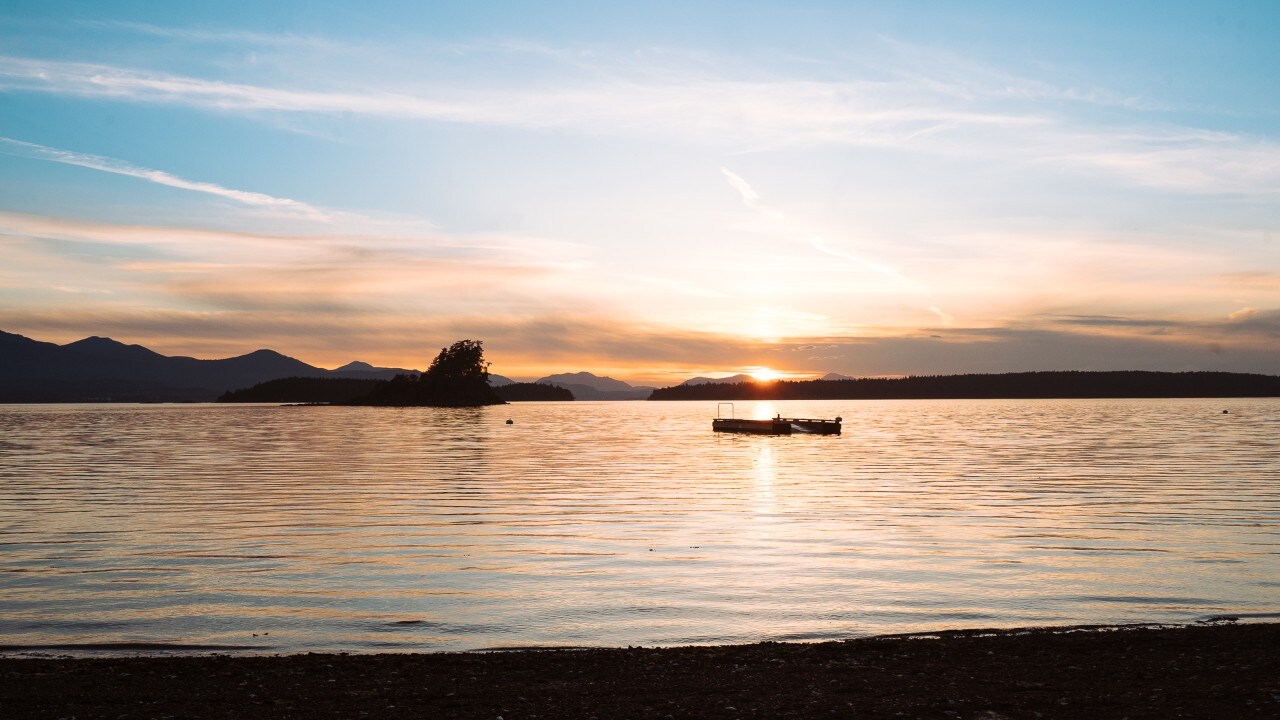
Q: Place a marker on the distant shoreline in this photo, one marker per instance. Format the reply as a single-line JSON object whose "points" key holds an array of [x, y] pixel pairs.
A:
{"points": [[1220, 670], [283, 403], [98, 369], [1040, 385]]}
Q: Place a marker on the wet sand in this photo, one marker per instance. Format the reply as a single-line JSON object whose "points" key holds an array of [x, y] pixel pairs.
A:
{"points": [[1219, 671]]}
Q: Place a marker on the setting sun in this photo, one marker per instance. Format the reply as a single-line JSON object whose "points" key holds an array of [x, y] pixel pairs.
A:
{"points": [[765, 374]]}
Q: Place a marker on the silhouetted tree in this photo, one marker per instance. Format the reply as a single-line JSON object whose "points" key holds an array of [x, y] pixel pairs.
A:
{"points": [[463, 360], [521, 392], [458, 377]]}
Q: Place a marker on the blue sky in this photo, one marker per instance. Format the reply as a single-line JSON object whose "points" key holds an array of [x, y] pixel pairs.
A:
{"points": [[651, 191]]}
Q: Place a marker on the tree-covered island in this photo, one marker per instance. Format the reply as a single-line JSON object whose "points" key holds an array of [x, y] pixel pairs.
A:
{"points": [[458, 377], [315, 390]]}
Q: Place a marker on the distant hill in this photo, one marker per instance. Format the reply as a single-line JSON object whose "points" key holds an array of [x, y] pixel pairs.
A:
{"points": [[588, 386], [591, 380], [363, 370], [836, 376], [99, 369], [1065, 384], [744, 378], [732, 379]]}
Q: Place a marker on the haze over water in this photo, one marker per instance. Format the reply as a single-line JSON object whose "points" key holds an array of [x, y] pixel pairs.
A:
{"points": [[373, 529]]}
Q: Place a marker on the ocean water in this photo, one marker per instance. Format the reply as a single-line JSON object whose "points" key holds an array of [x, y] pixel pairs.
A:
{"points": [[266, 529]]}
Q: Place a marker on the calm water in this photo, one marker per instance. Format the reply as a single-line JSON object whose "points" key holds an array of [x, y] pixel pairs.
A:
{"points": [[369, 529]]}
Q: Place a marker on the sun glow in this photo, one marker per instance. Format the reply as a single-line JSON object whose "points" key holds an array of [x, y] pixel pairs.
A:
{"points": [[764, 374]]}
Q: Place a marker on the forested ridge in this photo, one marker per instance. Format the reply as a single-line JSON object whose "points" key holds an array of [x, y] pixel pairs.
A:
{"points": [[1047, 384]]}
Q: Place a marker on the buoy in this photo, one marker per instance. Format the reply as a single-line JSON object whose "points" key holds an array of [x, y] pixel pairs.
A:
{"points": [[510, 421], [1224, 412]]}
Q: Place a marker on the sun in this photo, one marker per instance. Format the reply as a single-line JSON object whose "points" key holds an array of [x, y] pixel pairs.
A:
{"points": [[764, 374]]}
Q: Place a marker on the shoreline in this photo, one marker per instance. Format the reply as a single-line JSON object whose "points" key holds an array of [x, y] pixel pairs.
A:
{"points": [[97, 650], [1220, 670]]}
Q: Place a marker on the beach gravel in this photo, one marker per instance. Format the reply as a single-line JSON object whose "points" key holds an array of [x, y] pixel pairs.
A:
{"points": [[1220, 671]]}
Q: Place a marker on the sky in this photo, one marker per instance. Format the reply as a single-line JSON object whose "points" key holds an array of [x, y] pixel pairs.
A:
{"points": [[650, 191]]}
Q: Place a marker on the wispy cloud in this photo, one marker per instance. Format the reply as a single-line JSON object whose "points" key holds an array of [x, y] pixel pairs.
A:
{"points": [[341, 275], [928, 195], [625, 99], [203, 247], [990, 115], [107, 81], [119, 167], [1178, 159], [942, 316], [750, 197], [778, 222], [821, 244], [328, 301]]}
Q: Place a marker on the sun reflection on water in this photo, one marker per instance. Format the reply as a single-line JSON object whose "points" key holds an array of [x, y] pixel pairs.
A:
{"points": [[764, 500], [763, 410]]}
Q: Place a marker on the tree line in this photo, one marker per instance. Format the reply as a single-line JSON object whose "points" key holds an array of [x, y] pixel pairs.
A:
{"points": [[458, 377], [1046, 384]]}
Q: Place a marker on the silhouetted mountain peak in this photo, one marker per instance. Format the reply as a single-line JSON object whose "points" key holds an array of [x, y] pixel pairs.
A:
{"points": [[96, 342], [98, 368], [361, 369], [269, 362], [835, 376], [739, 378], [265, 355], [590, 380], [105, 346], [589, 386], [14, 339]]}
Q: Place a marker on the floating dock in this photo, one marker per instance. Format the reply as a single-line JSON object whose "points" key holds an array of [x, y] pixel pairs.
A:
{"points": [[776, 426]]}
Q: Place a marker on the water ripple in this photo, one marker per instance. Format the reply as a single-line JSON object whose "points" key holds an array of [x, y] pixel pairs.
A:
{"points": [[321, 528]]}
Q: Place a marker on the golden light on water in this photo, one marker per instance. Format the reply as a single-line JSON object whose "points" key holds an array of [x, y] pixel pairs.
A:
{"points": [[763, 410]]}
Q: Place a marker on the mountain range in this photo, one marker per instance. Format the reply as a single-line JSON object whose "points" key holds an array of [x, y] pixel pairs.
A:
{"points": [[732, 379], [588, 386], [99, 369], [743, 377], [102, 369]]}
